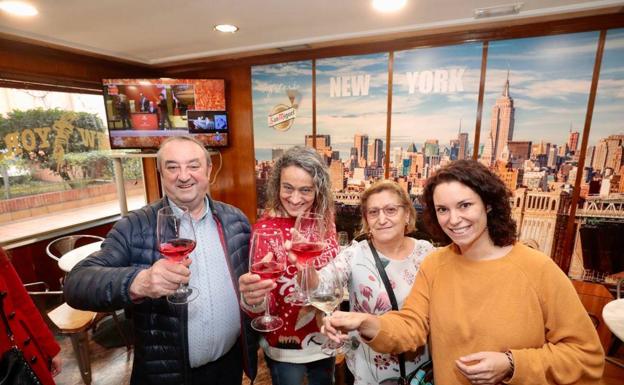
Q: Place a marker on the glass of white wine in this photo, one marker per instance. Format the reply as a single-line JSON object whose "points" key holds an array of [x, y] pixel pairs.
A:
{"points": [[343, 240], [325, 292]]}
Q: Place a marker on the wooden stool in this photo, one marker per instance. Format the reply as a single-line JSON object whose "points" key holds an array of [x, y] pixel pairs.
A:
{"points": [[76, 323]]}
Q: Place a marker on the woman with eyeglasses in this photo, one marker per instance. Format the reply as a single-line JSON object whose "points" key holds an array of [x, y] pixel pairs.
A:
{"points": [[387, 217], [495, 311], [299, 183]]}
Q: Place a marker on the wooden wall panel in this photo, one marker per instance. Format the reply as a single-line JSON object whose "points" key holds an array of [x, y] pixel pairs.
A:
{"points": [[594, 297], [28, 62], [151, 180]]}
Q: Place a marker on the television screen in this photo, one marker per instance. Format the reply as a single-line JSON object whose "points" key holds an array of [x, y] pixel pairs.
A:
{"points": [[141, 113]]}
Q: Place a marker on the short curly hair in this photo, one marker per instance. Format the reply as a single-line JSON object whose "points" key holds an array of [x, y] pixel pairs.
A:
{"points": [[387, 185], [490, 188]]}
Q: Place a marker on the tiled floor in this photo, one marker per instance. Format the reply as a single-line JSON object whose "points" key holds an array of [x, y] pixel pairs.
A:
{"points": [[113, 365], [110, 366]]}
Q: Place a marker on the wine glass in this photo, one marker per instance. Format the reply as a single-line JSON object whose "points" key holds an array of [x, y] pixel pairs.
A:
{"points": [[325, 292], [176, 240], [267, 258], [343, 240], [308, 242]]}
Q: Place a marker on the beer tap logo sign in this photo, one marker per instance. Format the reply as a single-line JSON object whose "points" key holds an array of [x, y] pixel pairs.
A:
{"points": [[283, 116]]}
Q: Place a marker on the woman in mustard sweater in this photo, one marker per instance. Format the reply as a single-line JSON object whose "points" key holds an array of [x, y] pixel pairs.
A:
{"points": [[494, 309]]}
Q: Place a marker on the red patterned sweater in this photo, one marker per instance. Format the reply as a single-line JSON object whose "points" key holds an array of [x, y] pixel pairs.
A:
{"points": [[299, 340]]}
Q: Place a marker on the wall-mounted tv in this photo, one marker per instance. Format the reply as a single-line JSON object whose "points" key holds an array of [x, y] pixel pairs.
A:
{"points": [[141, 113]]}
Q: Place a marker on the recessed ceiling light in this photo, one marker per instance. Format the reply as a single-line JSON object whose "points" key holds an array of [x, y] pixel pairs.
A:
{"points": [[388, 5], [18, 8], [226, 28]]}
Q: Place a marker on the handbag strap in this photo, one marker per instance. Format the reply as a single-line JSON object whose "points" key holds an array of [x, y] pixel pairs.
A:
{"points": [[393, 301]]}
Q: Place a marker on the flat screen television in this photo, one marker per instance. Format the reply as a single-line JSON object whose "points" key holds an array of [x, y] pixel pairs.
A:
{"points": [[141, 113]]}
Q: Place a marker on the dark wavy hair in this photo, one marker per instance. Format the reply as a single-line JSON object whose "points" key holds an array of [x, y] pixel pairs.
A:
{"points": [[490, 188]]}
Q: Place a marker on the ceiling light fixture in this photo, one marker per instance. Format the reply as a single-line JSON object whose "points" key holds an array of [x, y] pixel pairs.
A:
{"points": [[18, 8], [498, 10], [388, 5], [226, 28]]}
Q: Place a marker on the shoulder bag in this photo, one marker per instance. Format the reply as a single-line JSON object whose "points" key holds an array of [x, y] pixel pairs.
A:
{"points": [[423, 374]]}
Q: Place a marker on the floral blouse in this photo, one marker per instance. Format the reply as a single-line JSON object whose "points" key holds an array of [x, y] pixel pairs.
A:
{"points": [[367, 294]]}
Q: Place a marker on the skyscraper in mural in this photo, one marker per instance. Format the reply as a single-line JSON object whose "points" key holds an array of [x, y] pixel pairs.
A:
{"points": [[462, 138], [361, 144], [573, 141], [501, 127], [376, 153]]}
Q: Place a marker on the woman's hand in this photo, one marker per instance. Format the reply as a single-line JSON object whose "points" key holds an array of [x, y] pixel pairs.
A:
{"points": [[366, 324], [56, 366], [484, 367], [253, 289]]}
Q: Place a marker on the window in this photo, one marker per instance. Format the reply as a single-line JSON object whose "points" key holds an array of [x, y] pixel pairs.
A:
{"points": [[55, 163]]}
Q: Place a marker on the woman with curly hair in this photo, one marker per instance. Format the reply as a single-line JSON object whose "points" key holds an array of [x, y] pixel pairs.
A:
{"points": [[299, 183], [494, 309]]}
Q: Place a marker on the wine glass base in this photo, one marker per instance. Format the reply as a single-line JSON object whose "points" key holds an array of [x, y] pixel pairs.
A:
{"points": [[267, 323], [183, 296], [297, 299], [331, 348]]}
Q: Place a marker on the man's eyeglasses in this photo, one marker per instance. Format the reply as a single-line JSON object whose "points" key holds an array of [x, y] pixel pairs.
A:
{"points": [[389, 211]]}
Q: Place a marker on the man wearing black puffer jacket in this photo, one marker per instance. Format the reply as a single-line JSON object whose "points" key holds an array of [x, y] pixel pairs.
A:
{"points": [[207, 341]]}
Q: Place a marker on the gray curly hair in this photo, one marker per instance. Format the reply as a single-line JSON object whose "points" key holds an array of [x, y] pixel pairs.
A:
{"points": [[308, 160]]}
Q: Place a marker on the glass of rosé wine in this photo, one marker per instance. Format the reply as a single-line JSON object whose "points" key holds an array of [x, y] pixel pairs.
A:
{"points": [[267, 258], [308, 243], [176, 240]]}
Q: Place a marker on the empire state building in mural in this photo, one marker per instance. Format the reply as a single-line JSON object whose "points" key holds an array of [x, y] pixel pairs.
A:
{"points": [[501, 128]]}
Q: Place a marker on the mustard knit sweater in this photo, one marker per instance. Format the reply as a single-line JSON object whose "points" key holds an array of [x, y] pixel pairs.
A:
{"points": [[521, 302]]}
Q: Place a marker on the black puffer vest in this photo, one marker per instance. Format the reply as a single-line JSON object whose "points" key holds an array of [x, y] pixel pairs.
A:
{"points": [[101, 283]]}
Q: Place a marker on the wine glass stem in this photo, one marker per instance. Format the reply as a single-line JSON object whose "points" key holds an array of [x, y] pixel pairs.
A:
{"points": [[302, 283], [267, 310]]}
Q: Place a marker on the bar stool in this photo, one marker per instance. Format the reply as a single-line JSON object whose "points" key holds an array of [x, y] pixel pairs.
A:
{"points": [[60, 250], [74, 323]]}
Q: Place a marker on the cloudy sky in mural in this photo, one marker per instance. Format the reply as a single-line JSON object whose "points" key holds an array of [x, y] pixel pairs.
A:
{"points": [[609, 109], [352, 97], [550, 79], [434, 91], [271, 86]]}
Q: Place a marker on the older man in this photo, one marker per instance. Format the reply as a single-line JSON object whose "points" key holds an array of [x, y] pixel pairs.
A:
{"points": [[207, 341]]}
